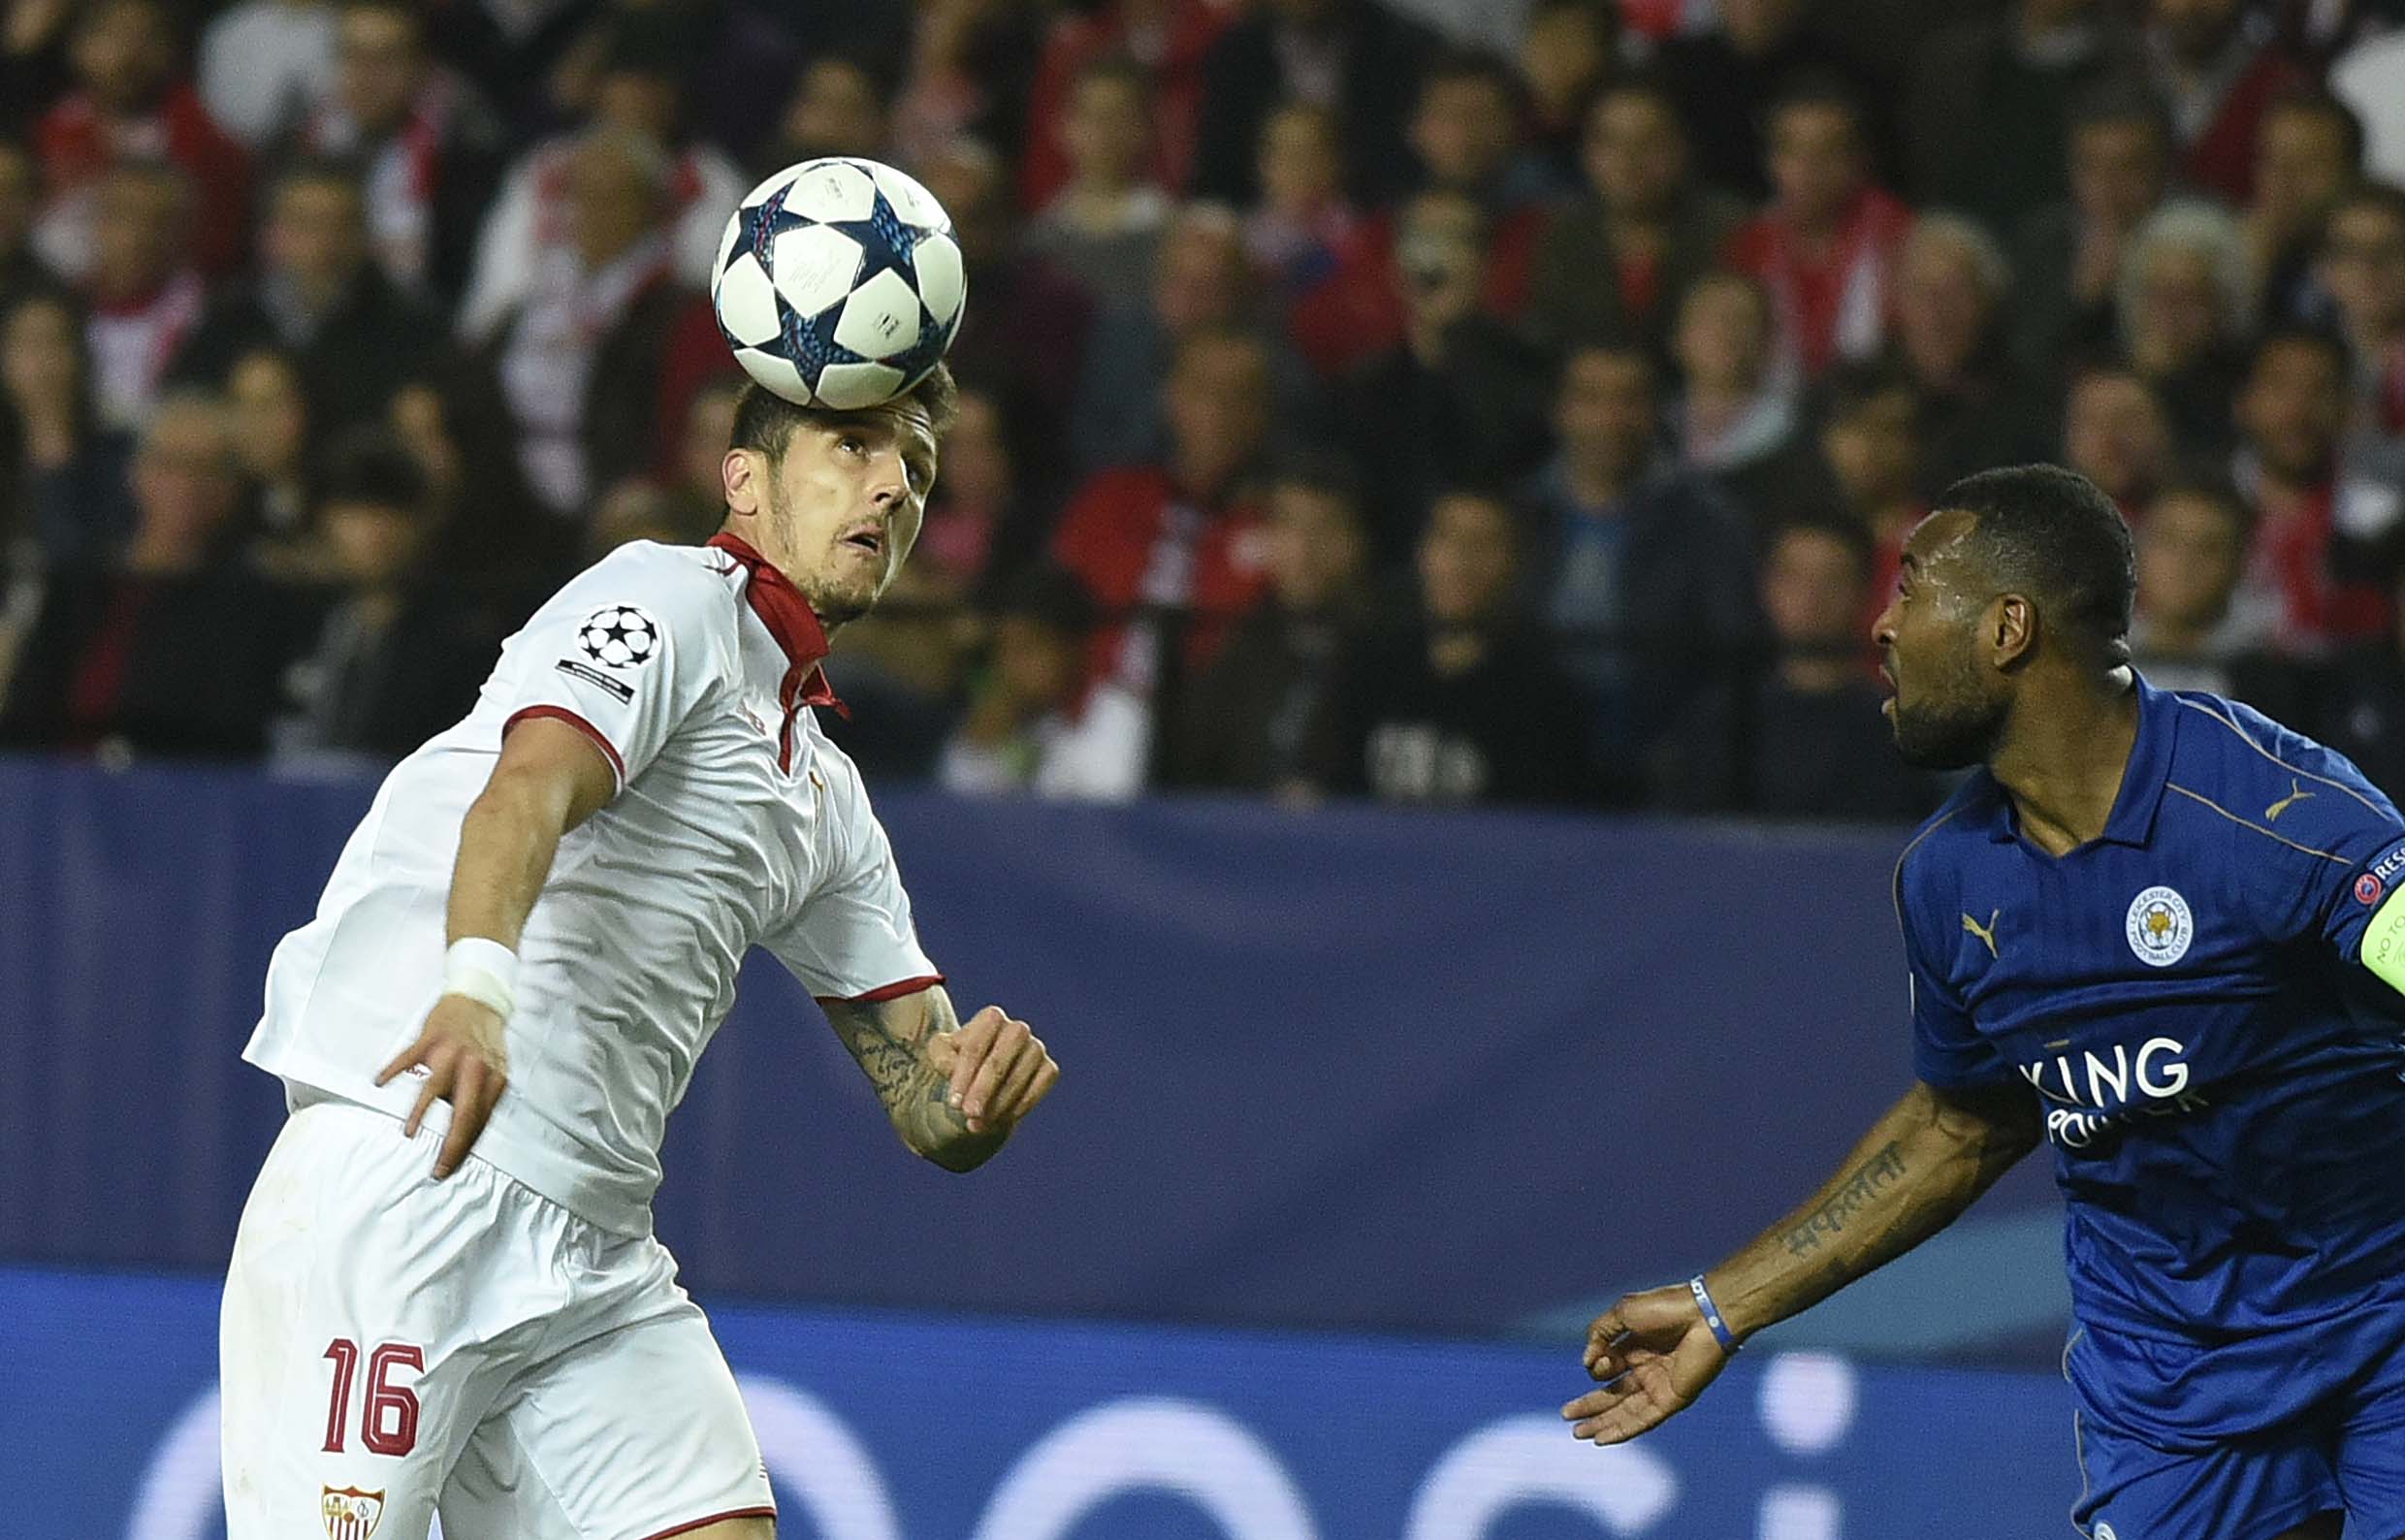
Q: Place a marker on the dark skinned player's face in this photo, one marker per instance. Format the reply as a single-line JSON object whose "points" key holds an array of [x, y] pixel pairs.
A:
{"points": [[1948, 708]]}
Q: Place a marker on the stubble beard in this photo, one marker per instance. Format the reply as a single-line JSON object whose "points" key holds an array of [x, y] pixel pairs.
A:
{"points": [[1951, 728], [835, 600]]}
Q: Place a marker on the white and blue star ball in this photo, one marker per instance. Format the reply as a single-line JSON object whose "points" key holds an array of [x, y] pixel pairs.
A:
{"points": [[839, 283]]}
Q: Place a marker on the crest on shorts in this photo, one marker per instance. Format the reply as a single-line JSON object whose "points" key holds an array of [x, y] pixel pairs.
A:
{"points": [[2160, 926], [351, 1513]]}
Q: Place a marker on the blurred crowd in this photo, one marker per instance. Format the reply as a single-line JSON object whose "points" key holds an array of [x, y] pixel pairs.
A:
{"points": [[1351, 407]]}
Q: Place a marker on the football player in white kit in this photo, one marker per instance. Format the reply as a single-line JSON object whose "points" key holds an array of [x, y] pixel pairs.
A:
{"points": [[445, 1295]]}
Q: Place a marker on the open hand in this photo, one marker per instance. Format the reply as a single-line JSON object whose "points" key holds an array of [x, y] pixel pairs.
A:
{"points": [[467, 1064], [1654, 1355], [997, 1067]]}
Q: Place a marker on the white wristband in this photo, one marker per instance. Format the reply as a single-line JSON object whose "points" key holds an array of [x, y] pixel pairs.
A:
{"points": [[484, 971]]}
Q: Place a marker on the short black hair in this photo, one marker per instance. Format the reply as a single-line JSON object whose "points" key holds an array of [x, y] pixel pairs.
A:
{"points": [[1463, 62], [1811, 85], [1828, 523], [2320, 101], [1852, 385], [765, 420], [2384, 197], [2116, 101], [2053, 536], [1124, 68], [1328, 475], [371, 466], [2297, 334], [2201, 485]]}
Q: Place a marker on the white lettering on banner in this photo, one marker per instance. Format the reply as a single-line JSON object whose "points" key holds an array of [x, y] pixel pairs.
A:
{"points": [[1524, 1460], [1800, 1512], [1806, 1401], [1149, 1444], [813, 1454]]}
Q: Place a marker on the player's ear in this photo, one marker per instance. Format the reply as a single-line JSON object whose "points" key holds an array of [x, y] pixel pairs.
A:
{"points": [[2013, 628], [745, 475]]}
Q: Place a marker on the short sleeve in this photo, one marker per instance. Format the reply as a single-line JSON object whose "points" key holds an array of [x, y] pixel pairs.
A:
{"points": [[1947, 1051], [2341, 848], [854, 938], [625, 653]]}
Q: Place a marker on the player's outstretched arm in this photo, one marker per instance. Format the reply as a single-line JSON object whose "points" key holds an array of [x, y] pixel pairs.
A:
{"points": [[1920, 1166], [550, 778], [953, 1090]]}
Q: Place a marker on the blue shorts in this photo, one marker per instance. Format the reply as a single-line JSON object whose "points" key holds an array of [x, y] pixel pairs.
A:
{"points": [[2327, 1435]]}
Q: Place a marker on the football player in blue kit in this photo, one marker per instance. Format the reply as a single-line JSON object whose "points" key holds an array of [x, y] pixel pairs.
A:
{"points": [[2160, 932]]}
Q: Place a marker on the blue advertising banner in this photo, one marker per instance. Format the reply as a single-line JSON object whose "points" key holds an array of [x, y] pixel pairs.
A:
{"points": [[1463, 1074], [895, 1427]]}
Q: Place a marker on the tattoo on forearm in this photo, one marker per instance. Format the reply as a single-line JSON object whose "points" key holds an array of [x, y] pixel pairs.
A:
{"points": [[916, 1093], [1854, 1193]]}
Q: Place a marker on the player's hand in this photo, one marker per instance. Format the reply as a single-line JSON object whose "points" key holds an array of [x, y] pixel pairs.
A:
{"points": [[467, 1063], [1654, 1355], [998, 1069]]}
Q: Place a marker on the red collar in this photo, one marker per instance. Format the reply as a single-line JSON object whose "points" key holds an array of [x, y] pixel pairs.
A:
{"points": [[790, 619]]}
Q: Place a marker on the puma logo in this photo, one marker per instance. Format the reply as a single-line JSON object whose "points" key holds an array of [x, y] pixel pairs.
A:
{"points": [[2297, 793], [1986, 932]]}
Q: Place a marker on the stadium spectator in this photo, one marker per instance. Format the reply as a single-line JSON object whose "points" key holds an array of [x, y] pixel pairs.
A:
{"points": [[2188, 632], [1026, 334], [1615, 264], [980, 514], [319, 296], [1354, 57], [1461, 703], [1467, 133], [1459, 397], [269, 408], [692, 487], [1040, 722], [1870, 441], [2067, 259], [2213, 64], [129, 103], [2116, 433], [1951, 287], [2321, 567], [399, 656], [1176, 541], [1735, 420], [1170, 38], [66, 491], [456, 424], [581, 361], [1199, 279], [1990, 103], [1568, 48], [264, 64], [839, 107], [2310, 154], [142, 299], [22, 272], [2182, 310], [1641, 569], [173, 647], [2362, 270], [2360, 706], [428, 146], [1826, 245], [971, 66], [1723, 80], [641, 97], [1104, 224], [1304, 227], [1805, 740], [1246, 721]]}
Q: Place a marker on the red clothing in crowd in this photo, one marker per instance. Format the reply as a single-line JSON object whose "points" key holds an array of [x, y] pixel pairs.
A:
{"points": [[1833, 303], [1137, 541], [2292, 558], [74, 143], [2221, 161], [1174, 56], [1357, 313]]}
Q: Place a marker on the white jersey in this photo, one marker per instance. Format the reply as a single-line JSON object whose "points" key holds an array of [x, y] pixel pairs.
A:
{"points": [[735, 822]]}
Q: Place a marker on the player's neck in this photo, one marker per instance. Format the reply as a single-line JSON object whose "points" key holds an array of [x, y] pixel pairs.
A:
{"points": [[2062, 758]]}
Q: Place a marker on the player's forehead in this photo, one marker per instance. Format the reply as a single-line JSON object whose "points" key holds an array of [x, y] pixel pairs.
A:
{"points": [[903, 426], [1937, 543]]}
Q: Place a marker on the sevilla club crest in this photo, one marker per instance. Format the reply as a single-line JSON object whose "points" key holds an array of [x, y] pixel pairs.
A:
{"points": [[352, 1514]]}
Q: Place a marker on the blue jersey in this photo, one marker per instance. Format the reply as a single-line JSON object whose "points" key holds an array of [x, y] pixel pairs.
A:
{"points": [[2186, 999]]}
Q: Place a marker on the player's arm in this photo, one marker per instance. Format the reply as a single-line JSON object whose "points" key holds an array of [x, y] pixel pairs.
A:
{"points": [[1921, 1165], [954, 1090], [550, 778]]}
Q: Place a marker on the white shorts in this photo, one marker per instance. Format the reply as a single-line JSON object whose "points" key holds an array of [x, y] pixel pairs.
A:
{"points": [[391, 1346]]}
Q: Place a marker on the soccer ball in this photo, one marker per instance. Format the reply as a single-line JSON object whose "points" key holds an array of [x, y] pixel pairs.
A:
{"points": [[839, 283], [619, 636]]}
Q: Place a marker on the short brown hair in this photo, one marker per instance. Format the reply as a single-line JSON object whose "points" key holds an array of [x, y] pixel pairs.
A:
{"points": [[765, 421]]}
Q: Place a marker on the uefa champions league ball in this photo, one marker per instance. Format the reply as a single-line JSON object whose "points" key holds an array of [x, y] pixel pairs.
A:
{"points": [[839, 283]]}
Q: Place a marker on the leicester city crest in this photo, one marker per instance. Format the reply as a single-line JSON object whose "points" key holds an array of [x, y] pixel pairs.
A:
{"points": [[2160, 926]]}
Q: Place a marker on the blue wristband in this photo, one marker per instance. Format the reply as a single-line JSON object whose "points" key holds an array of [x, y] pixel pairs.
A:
{"points": [[1711, 1314]]}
